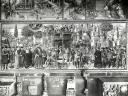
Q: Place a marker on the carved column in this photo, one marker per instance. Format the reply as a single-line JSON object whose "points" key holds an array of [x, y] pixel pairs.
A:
{"points": [[45, 92], [127, 46], [86, 74], [0, 44]]}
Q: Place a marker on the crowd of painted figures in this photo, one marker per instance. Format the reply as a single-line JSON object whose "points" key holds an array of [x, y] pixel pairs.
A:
{"points": [[60, 58], [116, 89], [110, 57]]}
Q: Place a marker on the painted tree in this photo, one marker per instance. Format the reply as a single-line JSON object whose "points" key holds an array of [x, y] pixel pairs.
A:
{"points": [[16, 31], [26, 32]]}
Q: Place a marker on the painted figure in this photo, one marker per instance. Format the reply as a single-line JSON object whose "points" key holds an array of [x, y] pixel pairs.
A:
{"points": [[38, 57], [5, 58], [28, 58]]}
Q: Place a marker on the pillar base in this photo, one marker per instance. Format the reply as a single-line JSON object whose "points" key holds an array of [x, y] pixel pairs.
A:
{"points": [[45, 94]]}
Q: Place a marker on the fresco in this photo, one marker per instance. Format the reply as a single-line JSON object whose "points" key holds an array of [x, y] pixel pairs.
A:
{"points": [[64, 46]]}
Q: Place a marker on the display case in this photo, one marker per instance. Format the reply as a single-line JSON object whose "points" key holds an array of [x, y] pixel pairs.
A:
{"points": [[7, 86], [111, 84]]}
